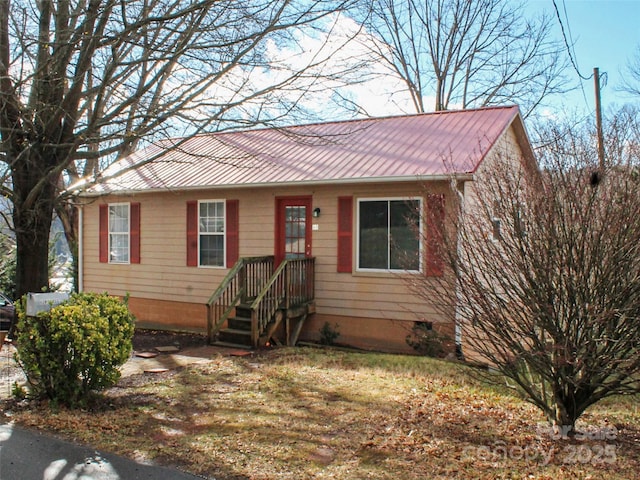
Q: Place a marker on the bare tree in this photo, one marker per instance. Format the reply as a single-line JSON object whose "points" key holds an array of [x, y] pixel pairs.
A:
{"points": [[467, 53], [544, 265], [83, 82], [631, 81]]}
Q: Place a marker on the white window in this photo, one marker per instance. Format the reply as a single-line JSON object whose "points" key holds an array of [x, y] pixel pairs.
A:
{"points": [[211, 230], [119, 233], [389, 234], [496, 221]]}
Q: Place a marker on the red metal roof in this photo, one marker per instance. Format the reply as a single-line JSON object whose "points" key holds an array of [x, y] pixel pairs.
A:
{"points": [[399, 148]]}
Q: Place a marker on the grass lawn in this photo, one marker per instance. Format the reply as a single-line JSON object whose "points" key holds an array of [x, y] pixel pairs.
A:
{"points": [[306, 413]]}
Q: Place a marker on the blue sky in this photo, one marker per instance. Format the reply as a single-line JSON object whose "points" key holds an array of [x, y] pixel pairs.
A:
{"points": [[601, 33], [605, 34]]}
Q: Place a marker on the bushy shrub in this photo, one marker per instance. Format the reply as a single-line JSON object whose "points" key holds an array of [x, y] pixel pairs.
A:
{"points": [[427, 341], [329, 334], [75, 348]]}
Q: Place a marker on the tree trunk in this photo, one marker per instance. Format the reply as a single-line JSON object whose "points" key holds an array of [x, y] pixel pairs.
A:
{"points": [[32, 215], [32, 239], [564, 412]]}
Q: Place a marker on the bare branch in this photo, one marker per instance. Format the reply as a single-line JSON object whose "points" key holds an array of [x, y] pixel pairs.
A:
{"points": [[85, 82], [545, 269], [468, 53]]}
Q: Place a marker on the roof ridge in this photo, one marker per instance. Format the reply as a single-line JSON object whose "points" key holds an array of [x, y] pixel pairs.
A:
{"points": [[352, 121]]}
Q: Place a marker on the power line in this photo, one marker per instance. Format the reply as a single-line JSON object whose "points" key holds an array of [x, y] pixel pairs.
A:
{"points": [[566, 41], [568, 45]]}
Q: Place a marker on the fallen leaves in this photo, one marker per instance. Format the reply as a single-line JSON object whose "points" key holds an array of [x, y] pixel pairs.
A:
{"points": [[298, 413]]}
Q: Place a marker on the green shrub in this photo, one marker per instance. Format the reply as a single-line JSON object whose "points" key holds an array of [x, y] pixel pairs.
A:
{"points": [[427, 341], [75, 348], [329, 334]]}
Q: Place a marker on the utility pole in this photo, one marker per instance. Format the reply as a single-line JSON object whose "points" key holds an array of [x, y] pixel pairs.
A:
{"points": [[596, 82]]}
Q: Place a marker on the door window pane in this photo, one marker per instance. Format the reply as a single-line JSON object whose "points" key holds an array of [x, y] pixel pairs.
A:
{"points": [[295, 231]]}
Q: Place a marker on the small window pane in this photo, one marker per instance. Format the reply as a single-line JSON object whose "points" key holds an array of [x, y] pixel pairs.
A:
{"points": [[211, 217], [118, 218], [212, 250], [119, 248], [404, 248], [374, 236], [211, 225]]}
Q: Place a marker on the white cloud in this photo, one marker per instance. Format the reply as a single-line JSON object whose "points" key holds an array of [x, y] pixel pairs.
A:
{"points": [[341, 77], [346, 70]]}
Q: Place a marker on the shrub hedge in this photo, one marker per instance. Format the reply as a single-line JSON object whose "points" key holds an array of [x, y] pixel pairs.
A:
{"points": [[76, 348]]}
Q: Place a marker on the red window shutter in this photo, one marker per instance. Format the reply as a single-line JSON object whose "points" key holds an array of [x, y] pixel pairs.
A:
{"points": [[233, 217], [434, 262], [345, 234], [134, 227], [103, 242], [192, 233]]}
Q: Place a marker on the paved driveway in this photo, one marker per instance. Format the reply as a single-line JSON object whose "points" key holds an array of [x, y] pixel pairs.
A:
{"points": [[29, 455]]}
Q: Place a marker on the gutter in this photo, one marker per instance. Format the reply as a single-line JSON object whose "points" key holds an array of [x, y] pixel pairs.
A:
{"points": [[343, 181]]}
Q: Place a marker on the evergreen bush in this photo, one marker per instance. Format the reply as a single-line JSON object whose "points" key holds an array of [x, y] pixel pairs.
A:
{"points": [[76, 348], [427, 341]]}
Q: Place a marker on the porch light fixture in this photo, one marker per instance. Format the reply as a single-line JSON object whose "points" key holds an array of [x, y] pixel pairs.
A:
{"points": [[316, 212]]}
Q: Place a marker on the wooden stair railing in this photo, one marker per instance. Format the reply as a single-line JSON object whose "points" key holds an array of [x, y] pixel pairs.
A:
{"points": [[243, 282], [268, 302], [270, 296], [291, 286]]}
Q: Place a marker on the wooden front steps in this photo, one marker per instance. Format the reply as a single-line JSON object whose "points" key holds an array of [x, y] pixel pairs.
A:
{"points": [[237, 333], [259, 303], [238, 330]]}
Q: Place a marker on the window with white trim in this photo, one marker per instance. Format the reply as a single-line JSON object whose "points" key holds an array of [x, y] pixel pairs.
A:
{"points": [[496, 222], [388, 234], [119, 233], [211, 228]]}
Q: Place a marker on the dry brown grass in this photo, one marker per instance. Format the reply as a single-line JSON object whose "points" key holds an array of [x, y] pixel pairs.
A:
{"points": [[305, 413]]}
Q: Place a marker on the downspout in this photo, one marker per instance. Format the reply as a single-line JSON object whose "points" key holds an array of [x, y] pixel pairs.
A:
{"points": [[80, 258], [460, 190]]}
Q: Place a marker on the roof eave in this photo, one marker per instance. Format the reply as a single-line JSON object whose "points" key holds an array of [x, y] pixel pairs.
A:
{"points": [[342, 181]]}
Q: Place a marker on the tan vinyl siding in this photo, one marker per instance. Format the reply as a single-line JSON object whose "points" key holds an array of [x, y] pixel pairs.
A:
{"points": [[361, 300], [163, 274]]}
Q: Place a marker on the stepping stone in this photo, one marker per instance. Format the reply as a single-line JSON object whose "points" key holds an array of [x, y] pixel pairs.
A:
{"points": [[156, 370], [146, 354], [240, 353], [322, 455], [168, 349]]}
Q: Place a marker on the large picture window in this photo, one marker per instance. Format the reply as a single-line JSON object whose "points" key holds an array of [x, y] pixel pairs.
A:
{"points": [[211, 223], [388, 236], [119, 233]]}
